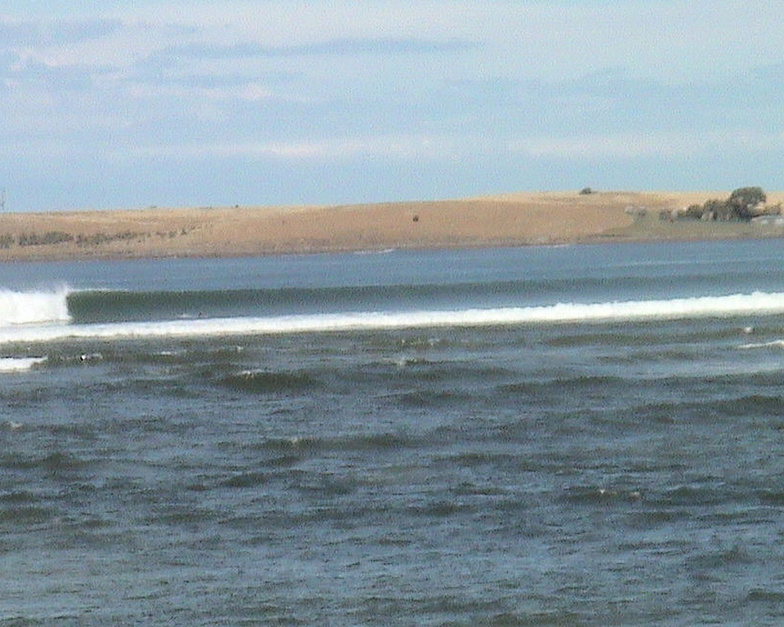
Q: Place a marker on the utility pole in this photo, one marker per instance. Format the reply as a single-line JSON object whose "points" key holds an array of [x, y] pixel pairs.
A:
{"points": [[2, 201]]}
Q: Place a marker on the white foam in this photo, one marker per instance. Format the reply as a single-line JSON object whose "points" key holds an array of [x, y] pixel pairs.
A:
{"points": [[738, 304], [18, 364], [17, 308], [772, 344]]}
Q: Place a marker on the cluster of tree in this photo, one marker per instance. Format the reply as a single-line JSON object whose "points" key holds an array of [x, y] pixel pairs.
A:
{"points": [[50, 237], [103, 238], [60, 237], [743, 204]]}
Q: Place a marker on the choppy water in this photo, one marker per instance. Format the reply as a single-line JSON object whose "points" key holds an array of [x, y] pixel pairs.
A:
{"points": [[572, 436]]}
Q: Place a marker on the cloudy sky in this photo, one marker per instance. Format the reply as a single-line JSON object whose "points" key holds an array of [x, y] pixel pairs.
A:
{"points": [[131, 103]]}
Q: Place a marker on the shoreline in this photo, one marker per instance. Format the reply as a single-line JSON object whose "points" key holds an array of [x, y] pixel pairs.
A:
{"points": [[521, 219]]}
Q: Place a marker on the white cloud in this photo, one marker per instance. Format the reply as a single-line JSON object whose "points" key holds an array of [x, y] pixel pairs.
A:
{"points": [[634, 145], [44, 33], [249, 92], [395, 147], [474, 83], [667, 39]]}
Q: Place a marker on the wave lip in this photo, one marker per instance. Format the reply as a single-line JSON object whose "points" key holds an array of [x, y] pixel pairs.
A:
{"points": [[35, 307]]}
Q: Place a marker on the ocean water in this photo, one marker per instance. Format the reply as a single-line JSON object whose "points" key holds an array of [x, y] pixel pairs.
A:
{"points": [[587, 435]]}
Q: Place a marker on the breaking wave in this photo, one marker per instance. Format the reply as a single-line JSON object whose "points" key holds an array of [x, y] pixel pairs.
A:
{"points": [[41, 316], [19, 364], [39, 307]]}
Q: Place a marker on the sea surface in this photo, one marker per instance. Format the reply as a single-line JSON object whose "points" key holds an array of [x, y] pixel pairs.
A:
{"points": [[585, 435]]}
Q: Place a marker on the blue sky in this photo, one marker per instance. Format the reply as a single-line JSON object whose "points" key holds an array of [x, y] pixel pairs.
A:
{"points": [[205, 102]]}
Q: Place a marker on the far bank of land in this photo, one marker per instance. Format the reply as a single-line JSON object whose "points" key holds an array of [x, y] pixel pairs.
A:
{"points": [[519, 219]]}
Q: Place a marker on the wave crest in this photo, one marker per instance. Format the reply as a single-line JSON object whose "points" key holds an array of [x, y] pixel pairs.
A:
{"points": [[47, 307]]}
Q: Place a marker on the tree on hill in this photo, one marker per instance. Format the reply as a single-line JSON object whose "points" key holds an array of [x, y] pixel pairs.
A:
{"points": [[745, 200], [742, 205]]}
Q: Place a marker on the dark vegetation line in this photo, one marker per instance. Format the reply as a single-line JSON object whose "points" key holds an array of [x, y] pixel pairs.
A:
{"points": [[60, 237]]}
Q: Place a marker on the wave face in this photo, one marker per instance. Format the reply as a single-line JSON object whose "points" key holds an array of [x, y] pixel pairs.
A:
{"points": [[37, 309]]}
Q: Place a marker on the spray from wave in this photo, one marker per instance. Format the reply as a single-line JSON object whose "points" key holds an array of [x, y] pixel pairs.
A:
{"points": [[38, 307]]}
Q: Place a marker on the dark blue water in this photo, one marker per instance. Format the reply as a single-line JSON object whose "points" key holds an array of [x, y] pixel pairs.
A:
{"points": [[164, 461]]}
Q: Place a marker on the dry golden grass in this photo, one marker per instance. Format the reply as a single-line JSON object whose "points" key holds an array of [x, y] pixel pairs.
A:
{"points": [[500, 220]]}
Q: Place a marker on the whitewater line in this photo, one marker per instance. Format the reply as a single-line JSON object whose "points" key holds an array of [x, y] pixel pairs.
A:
{"points": [[719, 306]]}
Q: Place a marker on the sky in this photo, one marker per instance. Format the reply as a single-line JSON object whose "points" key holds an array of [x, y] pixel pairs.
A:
{"points": [[129, 104]]}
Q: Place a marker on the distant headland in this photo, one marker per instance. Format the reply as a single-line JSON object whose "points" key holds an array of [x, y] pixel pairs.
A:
{"points": [[515, 219]]}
